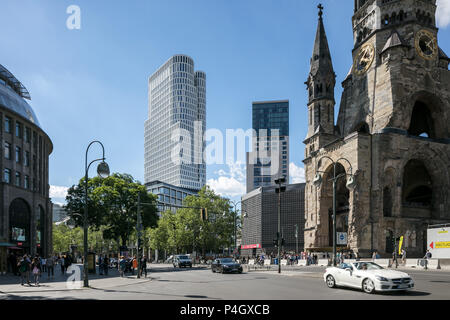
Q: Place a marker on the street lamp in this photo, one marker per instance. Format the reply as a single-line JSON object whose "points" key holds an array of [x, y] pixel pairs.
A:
{"points": [[235, 223], [279, 190], [103, 172], [351, 185]]}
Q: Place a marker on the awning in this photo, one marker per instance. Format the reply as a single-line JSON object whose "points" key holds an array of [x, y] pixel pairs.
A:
{"points": [[6, 244]]}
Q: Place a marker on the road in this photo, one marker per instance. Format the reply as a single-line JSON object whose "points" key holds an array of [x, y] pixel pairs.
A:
{"points": [[167, 283]]}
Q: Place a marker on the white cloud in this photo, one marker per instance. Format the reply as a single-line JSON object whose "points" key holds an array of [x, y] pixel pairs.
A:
{"points": [[231, 183], [297, 174], [443, 13], [58, 192], [226, 186]]}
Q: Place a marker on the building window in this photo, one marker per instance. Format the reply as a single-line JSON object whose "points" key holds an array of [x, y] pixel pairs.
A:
{"points": [[18, 179], [27, 135], [27, 159], [18, 154], [7, 150], [8, 124], [26, 182], [18, 130], [7, 176]]}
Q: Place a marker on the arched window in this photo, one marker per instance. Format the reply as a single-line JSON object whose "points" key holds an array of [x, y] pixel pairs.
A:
{"points": [[421, 121], [362, 127], [417, 184], [19, 222]]}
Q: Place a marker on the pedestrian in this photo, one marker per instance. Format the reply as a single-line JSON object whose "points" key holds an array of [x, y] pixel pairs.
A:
{"points": [[43, 264], [36, 267], [62, 263], [144, 266], [105, 264], [427, 257], [50, 264], [374, 256], [394, 259], [403, 257], [122, 266], [24, 268]]}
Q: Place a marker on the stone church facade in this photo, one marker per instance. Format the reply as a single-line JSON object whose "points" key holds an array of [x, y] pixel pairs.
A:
{"points": [[393, 127]]}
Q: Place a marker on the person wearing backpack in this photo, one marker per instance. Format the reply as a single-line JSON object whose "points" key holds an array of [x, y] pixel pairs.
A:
{"points": [[36, 268], [24, 268]]}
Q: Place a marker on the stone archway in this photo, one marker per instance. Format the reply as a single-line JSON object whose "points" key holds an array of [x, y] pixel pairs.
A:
{"points": [[342, 204], [20, 223]]}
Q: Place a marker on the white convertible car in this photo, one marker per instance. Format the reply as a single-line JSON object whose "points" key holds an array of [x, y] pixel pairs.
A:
{"points": [[367, 276]]}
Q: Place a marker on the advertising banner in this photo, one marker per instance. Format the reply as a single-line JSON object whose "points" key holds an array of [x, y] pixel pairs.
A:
{"points": [[251, 246], [439, 242]]}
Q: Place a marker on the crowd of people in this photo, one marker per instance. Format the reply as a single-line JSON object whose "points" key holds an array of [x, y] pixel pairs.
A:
{"points": [[32, 268], [130, 264]]}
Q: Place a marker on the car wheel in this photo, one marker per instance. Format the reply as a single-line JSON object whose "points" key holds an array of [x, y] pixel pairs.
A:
{"points": [[331, 283], [368, 286], [222, 271]]}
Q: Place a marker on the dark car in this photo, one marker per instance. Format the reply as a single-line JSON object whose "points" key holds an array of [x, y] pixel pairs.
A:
{"points": [[182, 261], [226, 265]]}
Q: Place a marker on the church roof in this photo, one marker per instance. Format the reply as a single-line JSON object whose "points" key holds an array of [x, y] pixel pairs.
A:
{"points": [[321, 58], [393, 41], [442, 55]]}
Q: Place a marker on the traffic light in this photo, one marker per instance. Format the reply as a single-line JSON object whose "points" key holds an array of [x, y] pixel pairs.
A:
{"points": [[204, 214]]}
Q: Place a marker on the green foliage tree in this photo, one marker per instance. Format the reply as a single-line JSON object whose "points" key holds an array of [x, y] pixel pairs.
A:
{"points": [[185, 231], [112, 206]]}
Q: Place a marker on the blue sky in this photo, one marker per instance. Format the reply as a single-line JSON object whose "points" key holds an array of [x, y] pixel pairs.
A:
{"points": [[91, 83]]}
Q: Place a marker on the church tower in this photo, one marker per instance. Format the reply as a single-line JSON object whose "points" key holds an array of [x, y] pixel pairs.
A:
{"points": [[393, 130], [320, 85]]}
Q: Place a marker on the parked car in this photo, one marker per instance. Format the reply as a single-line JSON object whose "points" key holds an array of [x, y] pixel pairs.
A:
{"points": [[226, 265], [181, 261], [367, 276]]}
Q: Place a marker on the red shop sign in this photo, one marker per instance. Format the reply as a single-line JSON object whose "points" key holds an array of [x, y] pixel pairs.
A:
{"points": [[251, 246]]}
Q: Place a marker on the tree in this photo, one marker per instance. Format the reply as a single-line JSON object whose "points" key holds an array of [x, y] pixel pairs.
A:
{"points": [[112, 205], [186, 231]]}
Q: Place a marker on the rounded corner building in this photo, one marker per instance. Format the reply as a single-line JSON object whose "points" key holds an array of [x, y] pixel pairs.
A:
{"points": [[26, 209]]}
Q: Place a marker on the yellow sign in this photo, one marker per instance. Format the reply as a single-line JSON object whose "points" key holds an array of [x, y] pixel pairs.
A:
{"points": [[443, 245], [400, 245], [442, 232]]}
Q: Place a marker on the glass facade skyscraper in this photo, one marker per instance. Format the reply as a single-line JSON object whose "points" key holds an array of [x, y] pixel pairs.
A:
{"points": [[174, 143], [270, 160]]}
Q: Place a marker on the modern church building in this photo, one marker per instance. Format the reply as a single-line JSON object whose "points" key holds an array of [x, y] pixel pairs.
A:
{"points": [[174, 142], [26, 209]]}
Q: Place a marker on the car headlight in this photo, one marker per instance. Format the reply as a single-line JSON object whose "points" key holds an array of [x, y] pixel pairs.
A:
{"points": [[381, 278]]}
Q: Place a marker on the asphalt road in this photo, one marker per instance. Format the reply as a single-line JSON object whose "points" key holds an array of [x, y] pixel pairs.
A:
{"points": [[168, 283]]}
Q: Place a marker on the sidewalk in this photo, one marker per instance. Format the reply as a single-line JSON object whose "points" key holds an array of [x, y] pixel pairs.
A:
{"points": [[12, 284]]}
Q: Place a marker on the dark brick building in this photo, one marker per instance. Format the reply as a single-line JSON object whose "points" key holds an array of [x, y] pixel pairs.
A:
{"points": [[260, 208], [26, 209]]}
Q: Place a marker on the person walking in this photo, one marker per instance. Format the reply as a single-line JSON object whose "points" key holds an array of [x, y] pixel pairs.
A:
{"points": [[134, 265], [50, 265], [122, 266], [62, 264], [100, 265], [144, 266], [36, 267], [427, 257], [24, 268], [403, 257], [43, 262], [106, 264]]}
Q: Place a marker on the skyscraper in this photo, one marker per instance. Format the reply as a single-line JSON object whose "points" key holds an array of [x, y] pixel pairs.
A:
{"points": [[270, 160], [174, 130]]}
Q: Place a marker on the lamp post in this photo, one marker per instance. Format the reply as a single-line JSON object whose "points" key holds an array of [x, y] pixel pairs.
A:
{"points": [[235, 222], [279, 190], [351, 184], [103, 172]]}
